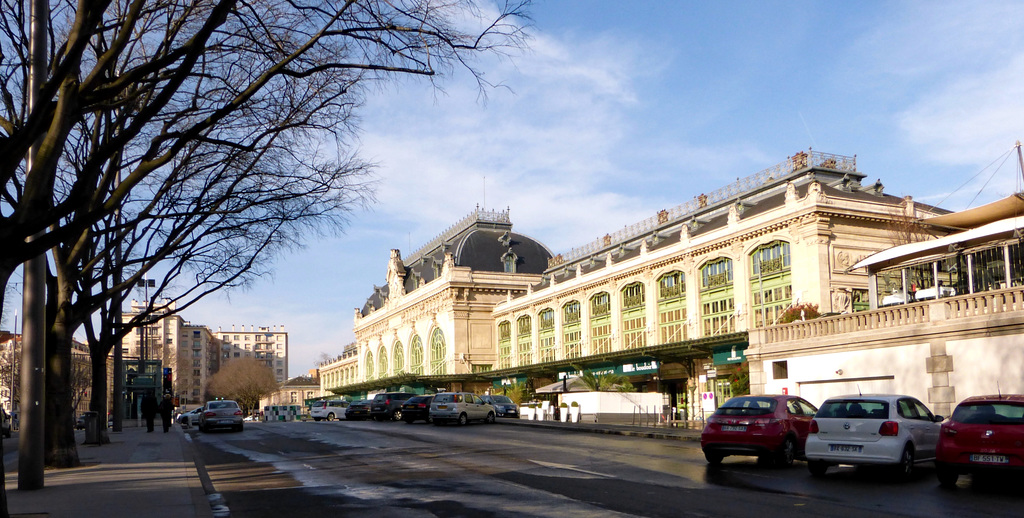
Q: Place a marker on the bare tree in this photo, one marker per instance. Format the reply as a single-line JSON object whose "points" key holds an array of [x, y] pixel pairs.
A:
{"points": [[157, 102], [245, 380]]}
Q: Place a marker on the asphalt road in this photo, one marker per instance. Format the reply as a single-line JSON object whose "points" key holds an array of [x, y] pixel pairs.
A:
{"points": [[369, 469]]}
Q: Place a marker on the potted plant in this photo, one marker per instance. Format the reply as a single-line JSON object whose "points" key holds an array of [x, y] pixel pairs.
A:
{"points": [[563, 412], [574, 411], [531, 411]]}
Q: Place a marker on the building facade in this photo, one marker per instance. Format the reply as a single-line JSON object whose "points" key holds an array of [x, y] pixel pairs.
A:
{"points": [[946, 321], [667, 302], [267, 344]]}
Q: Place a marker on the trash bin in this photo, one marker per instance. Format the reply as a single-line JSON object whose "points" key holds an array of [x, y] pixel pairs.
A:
{"points": [[92, 427]]}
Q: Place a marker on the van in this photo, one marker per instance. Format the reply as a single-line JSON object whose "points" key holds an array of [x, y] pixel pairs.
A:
{"points": [[460, 407], [328, 409]]}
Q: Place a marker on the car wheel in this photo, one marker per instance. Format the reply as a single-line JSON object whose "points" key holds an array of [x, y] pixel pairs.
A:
{"points": [[438, 422], [378, 418], [786, 454], [397, 416], [713, 458], [947, 477], [330, 416], [239, 427], [429, 419], [817, 467], [408, 420], [490, 418], [906, 465], [317, 419], [463, 419]]}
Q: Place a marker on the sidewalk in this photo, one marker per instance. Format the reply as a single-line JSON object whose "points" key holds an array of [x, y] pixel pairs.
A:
{"points": [[138, 474]]}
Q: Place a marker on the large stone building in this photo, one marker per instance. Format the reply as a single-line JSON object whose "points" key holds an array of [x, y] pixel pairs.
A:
{"points": [[668, 301], [266, 344]]}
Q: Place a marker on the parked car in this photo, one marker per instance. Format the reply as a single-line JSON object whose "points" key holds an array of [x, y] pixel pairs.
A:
{"points": [[79, 423], [984, 434], [503, 406], [388, 405], [461, 407], [358, 410], [772, 428], [417, 409], [221, 414], [189, 418], [328, 409], [881, 429]]}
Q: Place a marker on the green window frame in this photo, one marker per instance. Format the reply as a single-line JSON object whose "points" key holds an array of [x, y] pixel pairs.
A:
{"points": [[438, 350], [382, 362], [524, 340], [717, 300], [546, 334], [397, 357], [672, 307], [416, 355], [601, 323], [504, 344], [634, 316], [771, 283], [572, 330], [369, 365]]}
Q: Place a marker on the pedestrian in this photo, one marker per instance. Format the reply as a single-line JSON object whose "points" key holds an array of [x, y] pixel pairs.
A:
{"points": [[166, 409], [149, 408]]}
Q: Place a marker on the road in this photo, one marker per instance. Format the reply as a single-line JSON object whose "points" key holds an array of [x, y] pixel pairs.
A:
{"points": [[369, 469]]}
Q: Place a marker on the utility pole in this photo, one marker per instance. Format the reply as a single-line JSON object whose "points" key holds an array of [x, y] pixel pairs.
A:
{"points": [[31, 448]]}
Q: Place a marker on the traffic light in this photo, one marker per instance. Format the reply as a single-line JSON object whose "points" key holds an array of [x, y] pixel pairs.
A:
{"points": [[168, 380]]}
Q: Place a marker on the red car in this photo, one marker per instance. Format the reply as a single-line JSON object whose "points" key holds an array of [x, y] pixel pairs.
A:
{"points": [[772, 428], [985, 433]]}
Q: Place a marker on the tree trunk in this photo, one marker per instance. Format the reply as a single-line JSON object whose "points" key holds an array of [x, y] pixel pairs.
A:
{"points": [[98, 400], [59, 437]]}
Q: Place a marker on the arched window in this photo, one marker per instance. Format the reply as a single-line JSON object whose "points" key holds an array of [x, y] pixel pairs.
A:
{"points": [[600, 323], [672, 307], [546, 332], [504, 344], [634, 317], [397, 357], [382, 362], [524, 340], [717, 303], [437, 352], [416, 355], [572, 332], [771, 284], [368, 364], [508, 261]]}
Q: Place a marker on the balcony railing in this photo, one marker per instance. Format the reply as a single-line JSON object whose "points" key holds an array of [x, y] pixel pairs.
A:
{"points": [[964, 306]]}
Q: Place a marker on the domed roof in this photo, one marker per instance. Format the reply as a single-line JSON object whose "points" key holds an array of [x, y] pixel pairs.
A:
{"points": [[483, 241]]}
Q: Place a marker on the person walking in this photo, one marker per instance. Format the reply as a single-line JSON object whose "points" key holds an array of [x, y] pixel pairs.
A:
{"points": [[166, 409], [149, 408]]}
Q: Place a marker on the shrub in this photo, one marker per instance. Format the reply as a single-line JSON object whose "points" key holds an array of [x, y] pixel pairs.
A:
{"points": [[574, 403], [563, 405]]}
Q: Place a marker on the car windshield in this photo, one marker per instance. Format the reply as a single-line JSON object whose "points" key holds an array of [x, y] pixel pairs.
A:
{"points": [[989, 413], [854, 409], [748, 406], [501, 399]]}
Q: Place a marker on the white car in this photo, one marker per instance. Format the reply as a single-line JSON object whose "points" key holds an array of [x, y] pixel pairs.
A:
{"points": [[880, 429], [328, 409]]}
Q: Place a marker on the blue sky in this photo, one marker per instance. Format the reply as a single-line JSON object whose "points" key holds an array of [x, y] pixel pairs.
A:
{"points": [[621, 109]]}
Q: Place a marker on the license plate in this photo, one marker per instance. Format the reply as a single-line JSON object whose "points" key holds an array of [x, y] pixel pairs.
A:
{"points": [[731, 428], [442, 407], [991, 459], [845, 448]]}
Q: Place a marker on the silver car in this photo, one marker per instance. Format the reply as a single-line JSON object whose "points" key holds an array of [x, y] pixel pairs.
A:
{"points": [[221, 414], [881, 429], [460, 407]]}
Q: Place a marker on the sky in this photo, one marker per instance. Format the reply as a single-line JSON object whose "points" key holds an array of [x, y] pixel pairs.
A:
{"points": [[620, 109]]}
